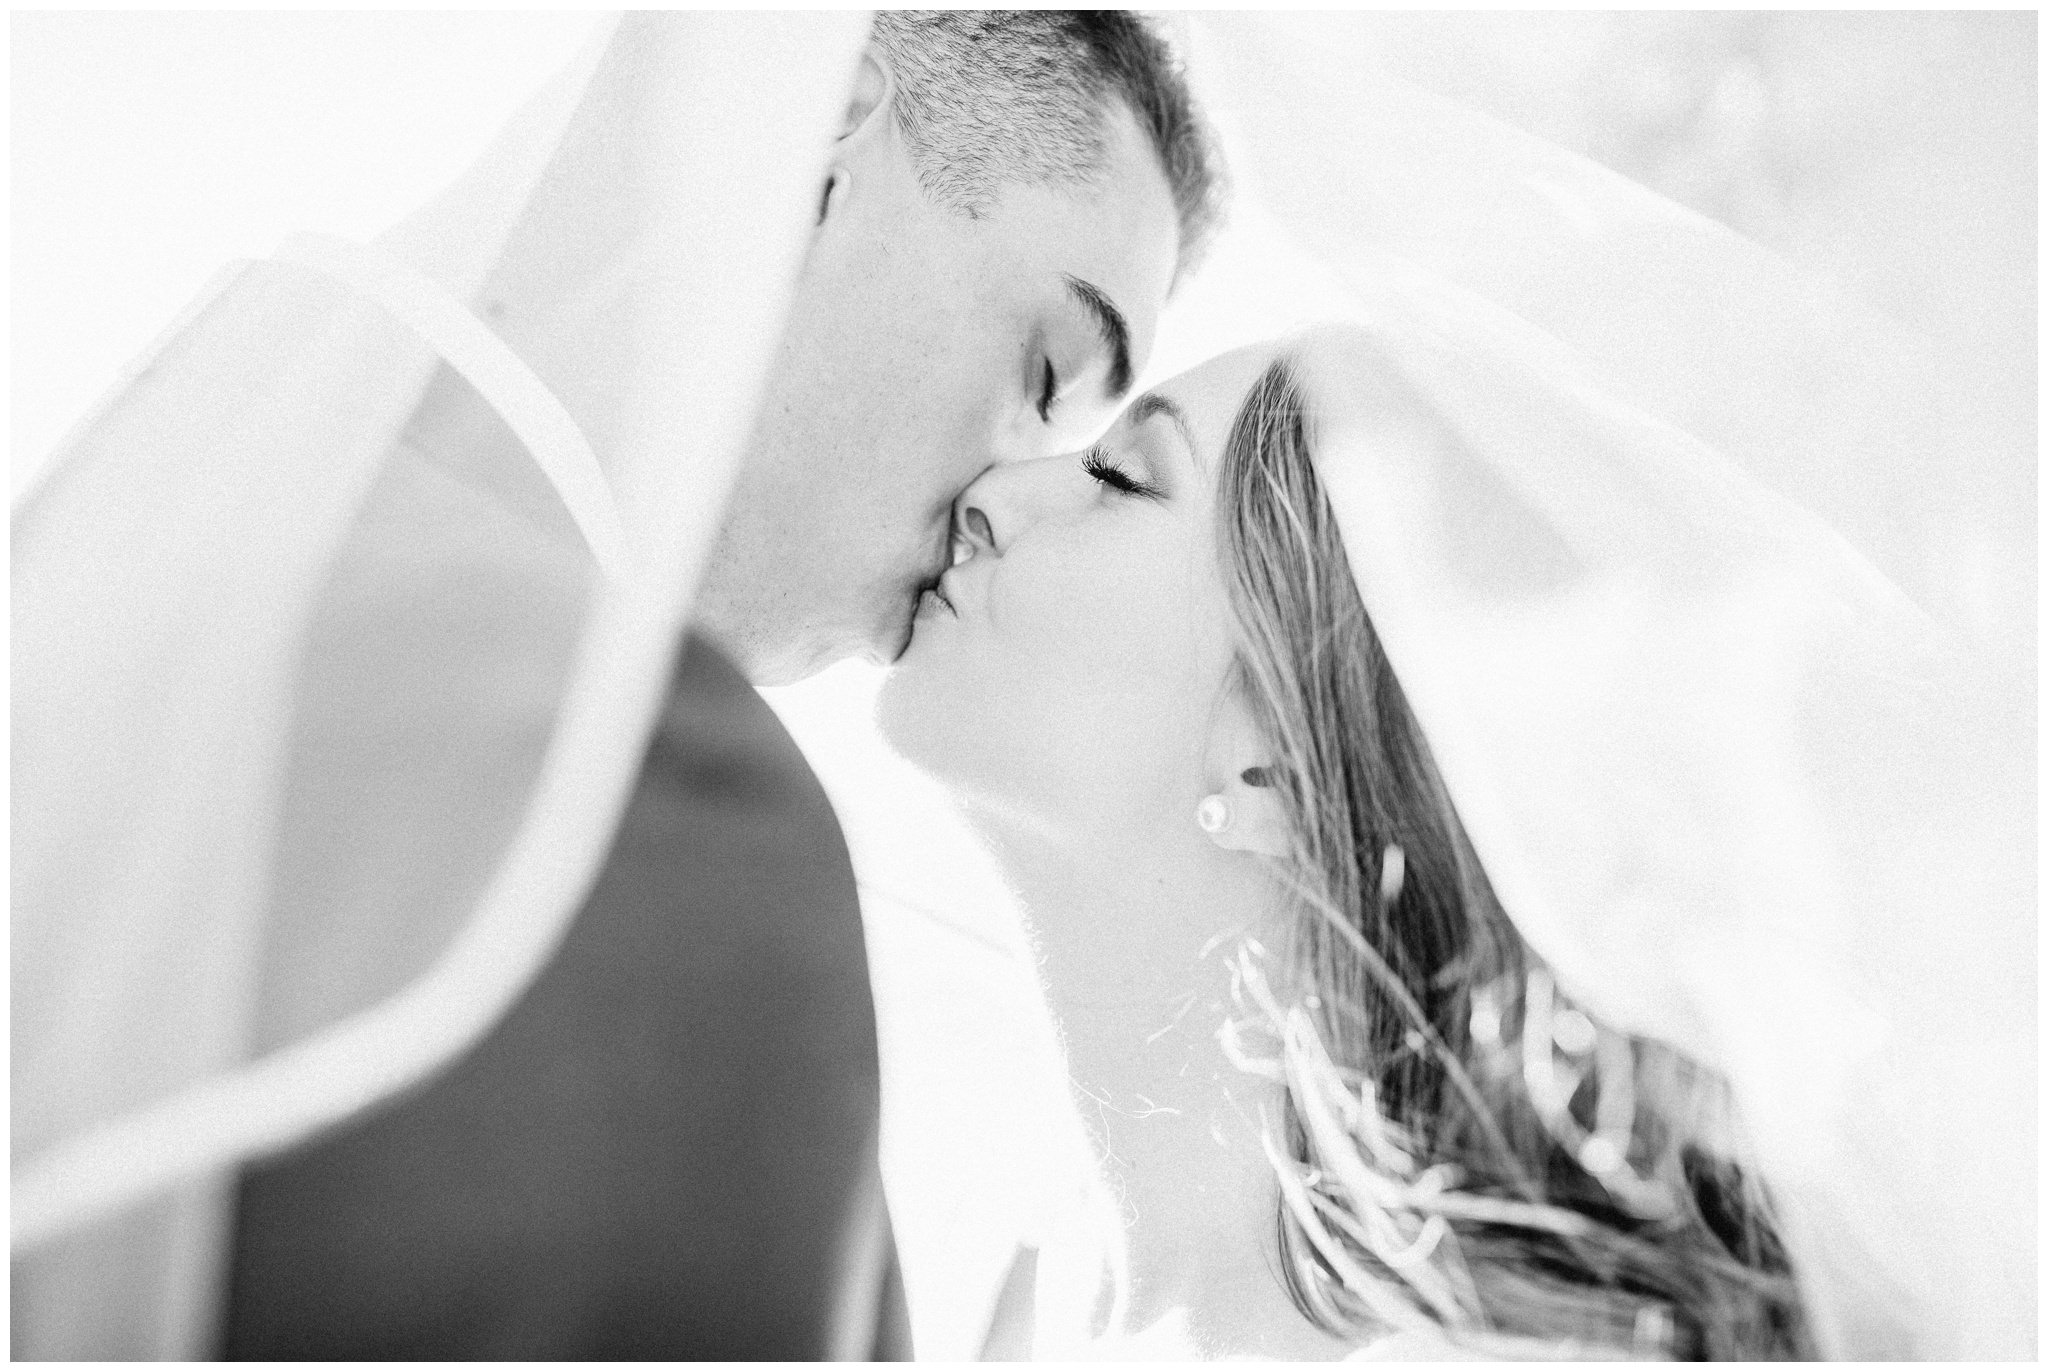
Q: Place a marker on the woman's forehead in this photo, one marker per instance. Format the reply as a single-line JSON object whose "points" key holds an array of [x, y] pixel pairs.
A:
{"points": [[1211, 393]]}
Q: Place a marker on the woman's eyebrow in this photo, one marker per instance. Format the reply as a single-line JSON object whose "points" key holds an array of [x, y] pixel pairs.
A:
{"points": [[1152, 404]]}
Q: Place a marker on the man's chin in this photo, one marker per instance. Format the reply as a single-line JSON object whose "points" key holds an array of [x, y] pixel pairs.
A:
{"points": [[768, 658], [886, 647], [767, 661]]}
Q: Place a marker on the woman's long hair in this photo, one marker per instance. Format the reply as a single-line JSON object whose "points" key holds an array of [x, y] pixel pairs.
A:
{"points": [[1463, 1150]]}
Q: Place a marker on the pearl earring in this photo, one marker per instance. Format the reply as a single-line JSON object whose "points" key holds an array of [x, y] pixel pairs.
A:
{"points": [[1213, 814], [1393, 872]]}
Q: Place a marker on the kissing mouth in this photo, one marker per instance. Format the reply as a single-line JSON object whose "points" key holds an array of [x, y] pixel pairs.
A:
{"points": [[928, 591], [931, 597], [930, 587]]}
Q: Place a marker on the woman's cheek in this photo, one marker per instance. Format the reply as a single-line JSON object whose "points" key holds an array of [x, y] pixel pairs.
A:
{"points": [[1146, 666]]}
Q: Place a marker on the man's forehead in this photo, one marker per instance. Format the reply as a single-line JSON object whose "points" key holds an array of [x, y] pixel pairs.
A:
{"points": [[1140, 243], [1117, 235]]}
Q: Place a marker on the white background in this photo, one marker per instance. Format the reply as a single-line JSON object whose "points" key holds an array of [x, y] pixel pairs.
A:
{"points": [[151, 148]]}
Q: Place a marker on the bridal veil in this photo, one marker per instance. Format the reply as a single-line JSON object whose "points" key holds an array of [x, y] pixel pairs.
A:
{"points": [[318, 742]]}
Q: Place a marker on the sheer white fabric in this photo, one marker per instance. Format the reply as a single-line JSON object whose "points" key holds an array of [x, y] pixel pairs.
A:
{"points": [[1728, 782], [233, 573], [1733, 782]]}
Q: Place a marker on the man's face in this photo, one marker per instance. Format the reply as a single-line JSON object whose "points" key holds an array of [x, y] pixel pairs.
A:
{"points": [[925, 346]]}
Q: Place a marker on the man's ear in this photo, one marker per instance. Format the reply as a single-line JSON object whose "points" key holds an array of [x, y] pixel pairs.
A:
{"points": [[868, 108], [1244, 806], [874, 89]]}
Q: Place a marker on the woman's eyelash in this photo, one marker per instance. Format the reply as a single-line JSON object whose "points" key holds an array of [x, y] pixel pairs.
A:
{"points": [[1098, 464], [1051, 389]]}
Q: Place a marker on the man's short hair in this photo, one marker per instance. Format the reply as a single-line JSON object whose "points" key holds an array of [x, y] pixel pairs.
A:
{"points": [[988, 97]]}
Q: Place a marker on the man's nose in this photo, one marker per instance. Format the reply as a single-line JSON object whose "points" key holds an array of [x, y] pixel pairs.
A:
{"points": [[1009, 498]]}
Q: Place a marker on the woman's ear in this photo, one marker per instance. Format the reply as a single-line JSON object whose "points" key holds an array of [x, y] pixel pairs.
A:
{"points": [[1247, 815], [868, 107], [1244, 806]]}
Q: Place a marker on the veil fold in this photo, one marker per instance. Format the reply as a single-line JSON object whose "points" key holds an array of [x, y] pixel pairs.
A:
{"points": [[1652, 527], [313, 660], [1729, 782]]}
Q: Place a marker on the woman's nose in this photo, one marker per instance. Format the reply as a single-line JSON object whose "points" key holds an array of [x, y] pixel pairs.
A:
{"points": [[1007, 499], [971, 526]]}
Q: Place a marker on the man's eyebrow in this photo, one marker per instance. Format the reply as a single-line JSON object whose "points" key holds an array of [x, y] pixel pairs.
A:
{"points": [[1116, 334], [1152, 403]]}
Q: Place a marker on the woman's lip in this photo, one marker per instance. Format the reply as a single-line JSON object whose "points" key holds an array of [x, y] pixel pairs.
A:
{"points": [[928, 596]]}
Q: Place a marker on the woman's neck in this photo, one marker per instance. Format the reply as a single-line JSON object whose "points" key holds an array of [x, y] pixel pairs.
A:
{"points": [[1135, 942]]}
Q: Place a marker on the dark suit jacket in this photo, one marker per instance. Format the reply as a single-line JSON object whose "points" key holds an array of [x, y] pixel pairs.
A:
{"points": [[666, 1150]]}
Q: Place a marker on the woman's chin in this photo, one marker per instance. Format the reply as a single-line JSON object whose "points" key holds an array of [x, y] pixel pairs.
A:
{"points": [[918, 718], [949, 725]]}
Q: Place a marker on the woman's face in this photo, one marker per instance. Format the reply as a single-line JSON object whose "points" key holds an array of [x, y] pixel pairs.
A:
{"points": [[1066, 669]]}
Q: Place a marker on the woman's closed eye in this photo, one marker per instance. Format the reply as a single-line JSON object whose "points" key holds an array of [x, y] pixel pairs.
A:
{"points": [[1099, 464]]}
